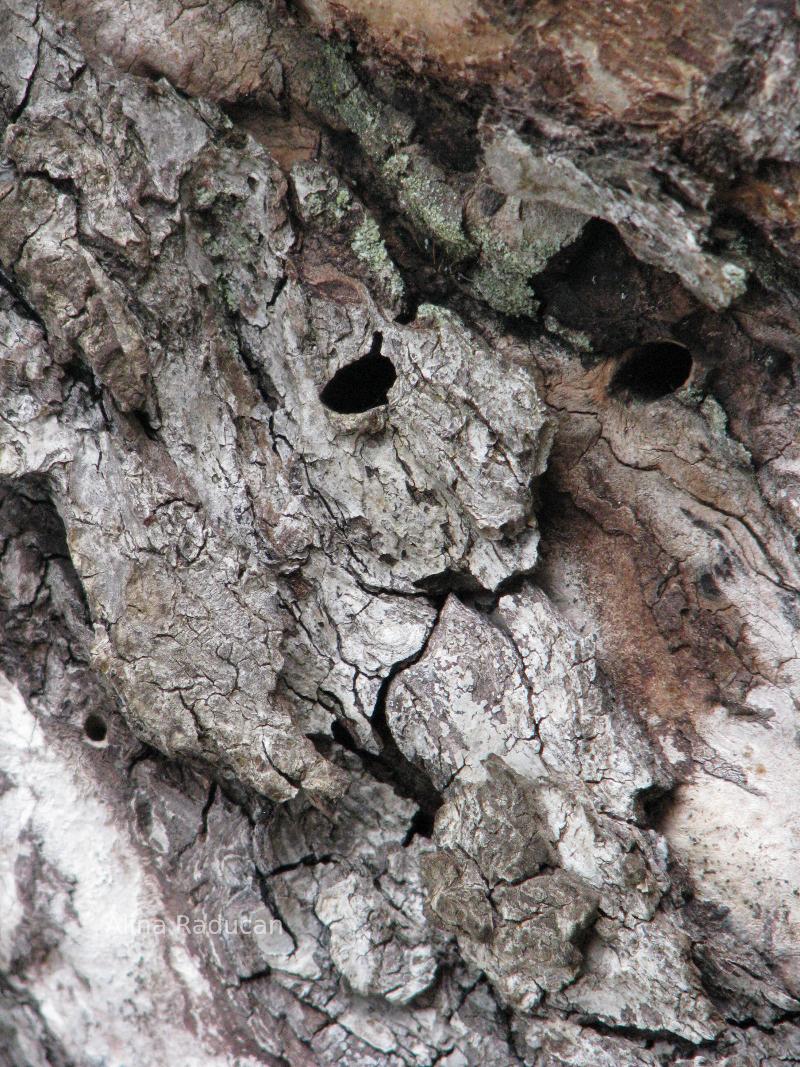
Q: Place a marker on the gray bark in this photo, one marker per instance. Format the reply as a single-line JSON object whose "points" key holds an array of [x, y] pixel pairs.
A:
{"points": [[398, 524]]}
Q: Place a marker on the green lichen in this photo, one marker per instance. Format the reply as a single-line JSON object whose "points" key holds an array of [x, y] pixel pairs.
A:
{"points": [[379, 127], [576, 338], [204, 196], [515, 245], [384, 132], [370, 249], [692, 396], [433, 208], [431, 205], [324, 200], [436, 315], [504, 289], [332, 78], [226, 292], [321, 196], [502, 278], [331, 208]]}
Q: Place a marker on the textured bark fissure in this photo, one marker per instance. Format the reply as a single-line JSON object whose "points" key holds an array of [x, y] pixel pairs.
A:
{"points": [[307, 323]]}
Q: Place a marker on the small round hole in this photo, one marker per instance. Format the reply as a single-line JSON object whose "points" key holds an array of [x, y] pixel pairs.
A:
{"points": [[362, 384], [95, 729], [652, 370]]}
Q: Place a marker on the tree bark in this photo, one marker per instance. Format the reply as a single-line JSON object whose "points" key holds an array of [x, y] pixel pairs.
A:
{"points": [[398, 533]]}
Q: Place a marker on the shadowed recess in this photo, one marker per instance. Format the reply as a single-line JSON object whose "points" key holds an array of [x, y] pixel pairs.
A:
{"points": [[362, 384], [652, 370]]}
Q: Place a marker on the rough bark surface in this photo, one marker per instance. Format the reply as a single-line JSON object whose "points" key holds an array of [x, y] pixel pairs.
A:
{"points": [[399, 504]]}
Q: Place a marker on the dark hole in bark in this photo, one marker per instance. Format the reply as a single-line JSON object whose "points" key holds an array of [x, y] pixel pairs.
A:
{"points": [[655, 804], [95, 728], [421, 825], [653, 370], [362, 384]]}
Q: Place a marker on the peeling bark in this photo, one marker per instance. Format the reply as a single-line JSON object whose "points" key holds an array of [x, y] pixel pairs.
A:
{"points": [[398, 534]]}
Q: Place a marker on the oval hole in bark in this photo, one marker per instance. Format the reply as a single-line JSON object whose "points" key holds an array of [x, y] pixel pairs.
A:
{"points": [[95, 728], [362, 384], [653, 370]]}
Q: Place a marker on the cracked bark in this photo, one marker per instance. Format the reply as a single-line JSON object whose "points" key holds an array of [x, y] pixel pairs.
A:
{"points": [[398, 522]]}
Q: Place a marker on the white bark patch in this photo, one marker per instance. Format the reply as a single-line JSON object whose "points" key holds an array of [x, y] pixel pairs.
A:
{"points": [[112, 966]]}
